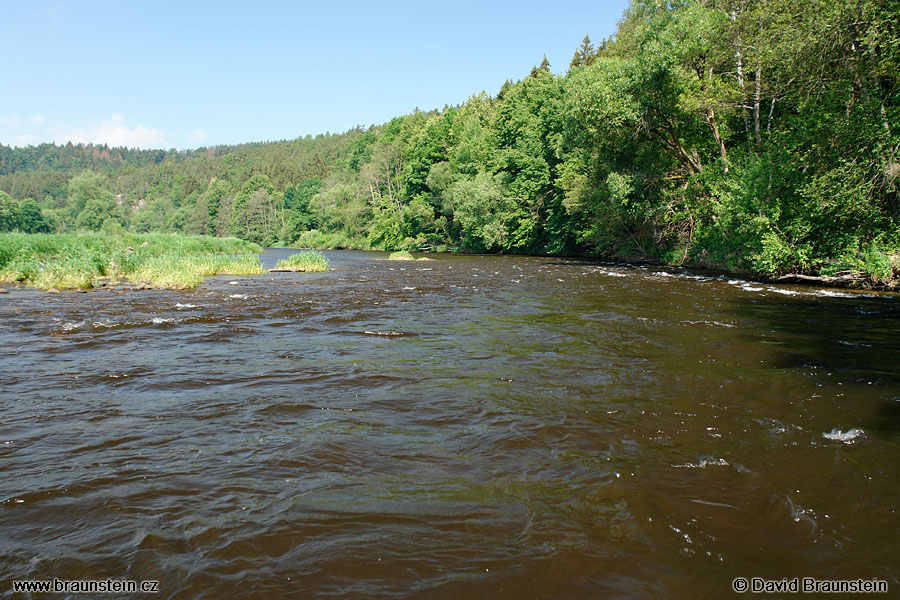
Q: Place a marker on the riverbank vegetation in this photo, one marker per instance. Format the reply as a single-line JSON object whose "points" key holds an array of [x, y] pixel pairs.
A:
{"points": [[84, 261], [307, 261], [759, 137]]}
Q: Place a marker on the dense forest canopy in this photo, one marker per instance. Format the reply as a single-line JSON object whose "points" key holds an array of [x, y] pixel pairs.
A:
{"points": [[755, 135]]}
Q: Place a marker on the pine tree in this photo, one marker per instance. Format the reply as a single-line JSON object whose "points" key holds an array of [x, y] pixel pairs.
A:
{"points": [[544, 66], [584, 55]]}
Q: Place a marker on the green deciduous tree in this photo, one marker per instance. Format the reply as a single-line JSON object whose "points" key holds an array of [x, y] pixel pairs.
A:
{"points": [[87, 186], [250, 220], [9, 212], [31, 219]]}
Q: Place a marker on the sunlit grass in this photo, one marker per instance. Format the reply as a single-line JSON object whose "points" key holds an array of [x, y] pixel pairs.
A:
{"points": [[179, 271], [87, 260], [401, 255], [304, 261]]}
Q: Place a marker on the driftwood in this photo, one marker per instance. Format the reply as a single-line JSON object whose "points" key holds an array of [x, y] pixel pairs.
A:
{"points": [[845, 279], [288, 270]]}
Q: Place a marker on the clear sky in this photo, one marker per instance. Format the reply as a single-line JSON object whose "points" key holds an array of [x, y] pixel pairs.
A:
{"points": [[161, 74]]}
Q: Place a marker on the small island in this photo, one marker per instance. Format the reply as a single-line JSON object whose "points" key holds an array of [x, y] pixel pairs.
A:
{"points": [[302, 262]]}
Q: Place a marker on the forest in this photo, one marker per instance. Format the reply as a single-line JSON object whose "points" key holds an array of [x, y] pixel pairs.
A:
{"points": [[754, 136]]}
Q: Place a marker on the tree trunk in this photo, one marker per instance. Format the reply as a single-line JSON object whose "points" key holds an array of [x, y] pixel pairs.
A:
{"points": [[740, 78], [757, 92], [711, 119]]}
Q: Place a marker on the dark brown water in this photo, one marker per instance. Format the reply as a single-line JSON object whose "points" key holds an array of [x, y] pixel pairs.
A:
{"points": [[459, 428]]}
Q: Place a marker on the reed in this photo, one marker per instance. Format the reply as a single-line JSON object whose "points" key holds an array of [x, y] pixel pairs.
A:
{"points": [[188, 271], [86, 260], [309, 261]]}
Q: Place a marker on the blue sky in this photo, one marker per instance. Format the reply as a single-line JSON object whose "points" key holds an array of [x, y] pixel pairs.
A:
{"points": [[161, 74]]}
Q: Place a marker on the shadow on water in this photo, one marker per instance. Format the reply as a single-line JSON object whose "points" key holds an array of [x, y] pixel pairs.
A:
{"points": [[845, 341]]}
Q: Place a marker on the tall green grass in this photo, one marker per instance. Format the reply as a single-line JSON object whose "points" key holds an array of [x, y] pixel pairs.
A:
{"points": [[161, 260], [304, 261], [188, 271]]}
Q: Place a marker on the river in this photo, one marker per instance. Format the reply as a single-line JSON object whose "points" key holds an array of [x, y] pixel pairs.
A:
{"points": [[462, 427]]}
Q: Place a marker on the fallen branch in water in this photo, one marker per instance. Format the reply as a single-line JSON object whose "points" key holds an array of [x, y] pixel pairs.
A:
{"points": [[847, 279]]}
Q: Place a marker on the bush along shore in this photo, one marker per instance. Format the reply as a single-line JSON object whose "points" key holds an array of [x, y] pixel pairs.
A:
{"points": [[93, 260]]}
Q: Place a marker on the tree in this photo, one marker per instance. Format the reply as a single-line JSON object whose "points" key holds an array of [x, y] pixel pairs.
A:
{"points": [[526, 130], [382, 175], [86, 186], [544, 67], [197, 219], [9, 212], [31, 220], [343, 206], [298, 213], [244, 218], [94, 213], [208, 206], [111, 226], [482, 211], [584, 55], [154, 217], [261, 217]]}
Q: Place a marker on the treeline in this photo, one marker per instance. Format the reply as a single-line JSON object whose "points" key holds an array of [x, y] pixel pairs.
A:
{"points": [[158, 190], [755, 135]]}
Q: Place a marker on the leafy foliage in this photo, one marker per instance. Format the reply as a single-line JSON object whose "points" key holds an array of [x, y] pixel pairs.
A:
{"points": [[747, 135]]}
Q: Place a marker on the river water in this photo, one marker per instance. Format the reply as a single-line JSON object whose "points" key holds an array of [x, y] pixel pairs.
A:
{"points": [[463, 427]]}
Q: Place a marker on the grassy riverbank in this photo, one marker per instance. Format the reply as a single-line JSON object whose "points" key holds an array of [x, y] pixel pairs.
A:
{"points": [[85, 261]]}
